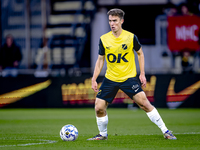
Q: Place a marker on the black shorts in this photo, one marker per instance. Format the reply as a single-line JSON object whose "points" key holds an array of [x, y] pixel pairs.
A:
{"points": [[109, 89]]}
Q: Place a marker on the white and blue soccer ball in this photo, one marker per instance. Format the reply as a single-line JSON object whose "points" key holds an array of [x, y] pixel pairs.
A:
{"points": [[69, 133]]}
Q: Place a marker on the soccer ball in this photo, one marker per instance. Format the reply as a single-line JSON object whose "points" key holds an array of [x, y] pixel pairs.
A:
{"points": [[69, 133]]}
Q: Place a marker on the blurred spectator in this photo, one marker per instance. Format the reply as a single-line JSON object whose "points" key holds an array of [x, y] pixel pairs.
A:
{"points": [[186, 66], [10, 57], [195, 5], [170, 9], [184, 9]]}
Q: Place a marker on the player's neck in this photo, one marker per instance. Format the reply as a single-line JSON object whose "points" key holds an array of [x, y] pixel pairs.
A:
{"points": [[117, 33]]}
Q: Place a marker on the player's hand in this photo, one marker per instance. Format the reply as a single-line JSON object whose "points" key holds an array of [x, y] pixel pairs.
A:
{"points": [[95, 86], [143, 80]]}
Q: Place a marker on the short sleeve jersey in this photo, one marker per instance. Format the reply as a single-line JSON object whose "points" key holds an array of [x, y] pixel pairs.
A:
{"points": [[119, 55]]}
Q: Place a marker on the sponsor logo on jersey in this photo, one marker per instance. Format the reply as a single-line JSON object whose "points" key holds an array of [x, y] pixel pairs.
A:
{"points": [[116, 58]]}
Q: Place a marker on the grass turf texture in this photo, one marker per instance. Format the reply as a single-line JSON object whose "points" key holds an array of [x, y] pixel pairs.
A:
{"points": [[127, 129]]}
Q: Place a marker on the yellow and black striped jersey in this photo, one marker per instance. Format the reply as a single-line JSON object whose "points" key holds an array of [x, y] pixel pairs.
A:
{"points": [[119, 55]]}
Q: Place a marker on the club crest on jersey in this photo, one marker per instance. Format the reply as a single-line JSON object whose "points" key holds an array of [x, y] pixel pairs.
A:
{"points": [[124, 47]]}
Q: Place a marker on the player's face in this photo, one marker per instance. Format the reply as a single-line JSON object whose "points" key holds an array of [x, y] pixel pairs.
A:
{"points": [[115, 23]]}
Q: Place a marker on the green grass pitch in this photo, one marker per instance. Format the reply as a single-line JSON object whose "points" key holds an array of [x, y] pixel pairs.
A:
{"points": [[127, 129]]}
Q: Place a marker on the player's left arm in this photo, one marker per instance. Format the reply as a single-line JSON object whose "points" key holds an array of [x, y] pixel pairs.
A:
{"points": [[138, 49], [141, 64]]}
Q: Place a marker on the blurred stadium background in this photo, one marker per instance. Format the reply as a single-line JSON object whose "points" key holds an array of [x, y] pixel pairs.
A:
{"points": [[59, 43]]}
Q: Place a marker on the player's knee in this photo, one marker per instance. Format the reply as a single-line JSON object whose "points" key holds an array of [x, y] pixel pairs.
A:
{"points": [[100, 107], [145, 104], [99, 110]]}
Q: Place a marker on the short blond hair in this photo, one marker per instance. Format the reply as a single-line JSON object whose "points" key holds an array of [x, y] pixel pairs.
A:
{"points": [[116, 12]]}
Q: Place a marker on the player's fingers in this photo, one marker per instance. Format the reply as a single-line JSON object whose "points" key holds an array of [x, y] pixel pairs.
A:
{"points": [[142, 79], [94, 87], [144, 83], [96, 90]]}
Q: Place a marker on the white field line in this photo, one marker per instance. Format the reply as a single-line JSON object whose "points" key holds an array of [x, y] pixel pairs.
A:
{"points": [[139, 134], [29, 144], [188, 133], [161, 133], [49, 141]]}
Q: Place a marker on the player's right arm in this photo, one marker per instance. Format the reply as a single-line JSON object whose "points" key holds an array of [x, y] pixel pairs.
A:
{"points": [[98, 66], [97, 70]]}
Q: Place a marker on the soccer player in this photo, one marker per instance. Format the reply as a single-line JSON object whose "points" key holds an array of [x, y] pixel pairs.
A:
{"points": [[117, 47]]}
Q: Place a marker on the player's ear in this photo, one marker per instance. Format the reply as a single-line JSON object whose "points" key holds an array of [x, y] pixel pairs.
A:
{"points": [[122, 21]]}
